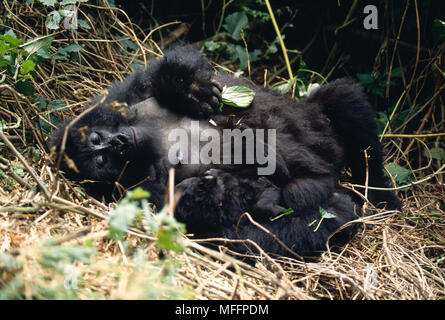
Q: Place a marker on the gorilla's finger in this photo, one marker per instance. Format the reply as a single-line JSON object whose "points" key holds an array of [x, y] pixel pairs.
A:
{"points": [[214, 102], [206, 108], [217, 85]]}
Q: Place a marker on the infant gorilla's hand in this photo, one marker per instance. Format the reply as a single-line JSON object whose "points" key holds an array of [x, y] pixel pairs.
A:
{"points": [[204, 97], [182, 81]]}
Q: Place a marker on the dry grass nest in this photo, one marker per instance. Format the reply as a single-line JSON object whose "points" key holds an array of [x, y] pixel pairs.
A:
{"points": [[398, 255]]}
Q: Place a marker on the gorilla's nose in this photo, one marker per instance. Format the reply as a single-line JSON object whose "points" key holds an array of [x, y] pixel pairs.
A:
{"points": [[119, 139]]}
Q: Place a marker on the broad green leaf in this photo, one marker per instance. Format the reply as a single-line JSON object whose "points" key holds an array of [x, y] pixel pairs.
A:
{"points": [[73, 48], [25, 87], [66, 13], [40, 102], [235, 22], [11, 39], [36, 44], [365, 78], [400, 174], [237, 96], [3, 47], [437, 153], [83, 24]]}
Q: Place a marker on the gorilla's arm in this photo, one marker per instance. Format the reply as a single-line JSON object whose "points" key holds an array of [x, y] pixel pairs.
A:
{"points": [[181, 81]]}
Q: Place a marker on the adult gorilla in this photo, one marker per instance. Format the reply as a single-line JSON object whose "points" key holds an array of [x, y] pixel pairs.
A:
{"points": [[123, 140]]}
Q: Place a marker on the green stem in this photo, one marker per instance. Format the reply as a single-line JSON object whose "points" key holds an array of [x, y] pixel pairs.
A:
{"points": [[283, 47]]}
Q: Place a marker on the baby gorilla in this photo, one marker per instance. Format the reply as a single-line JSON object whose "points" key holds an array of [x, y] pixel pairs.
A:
{"points": [[123, 140], [213, 206]]}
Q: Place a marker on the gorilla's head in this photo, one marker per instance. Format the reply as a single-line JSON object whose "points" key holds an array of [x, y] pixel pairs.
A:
{"points": [[108, 146]]}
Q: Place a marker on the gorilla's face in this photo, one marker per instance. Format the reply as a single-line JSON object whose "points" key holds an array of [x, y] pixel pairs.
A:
{"points": [[119, 150], [106, 153]]}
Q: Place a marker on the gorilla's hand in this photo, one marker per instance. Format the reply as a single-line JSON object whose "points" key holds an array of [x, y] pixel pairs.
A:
{"points": [[182, 81]]}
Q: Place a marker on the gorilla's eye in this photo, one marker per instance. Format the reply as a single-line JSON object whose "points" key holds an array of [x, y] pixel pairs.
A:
{"points": [[101, 160], [95, 138]]}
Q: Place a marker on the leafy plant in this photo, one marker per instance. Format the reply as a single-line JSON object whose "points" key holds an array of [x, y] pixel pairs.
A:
{"points": [[19, 60], [235, 25], [375, 83], [133, 209], [58, 271], [400, 174], [55, 17]]}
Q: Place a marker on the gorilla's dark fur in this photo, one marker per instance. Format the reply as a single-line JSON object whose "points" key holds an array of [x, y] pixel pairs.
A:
{"points": [[316, 138]]}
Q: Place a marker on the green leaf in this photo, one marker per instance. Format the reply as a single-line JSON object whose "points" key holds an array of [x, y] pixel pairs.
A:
{"points": [[169, 239], [437, 153], [48, 3], [234, 23], [285, 213], [57, 105], [65, 2], [62, 53], [3, 47], [237, 96], [138, 194], [66, 13], [83, 24], [169, 231], [438, 30], [43, 53], [27, 67], [121, 218], [53, 255], [53, 20], [25, 87], [11, 39], [73, 48], [36, 44], [40, 102], [325, 214], [285, 87], [400, 174], [365, 78], [213, 46]]}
